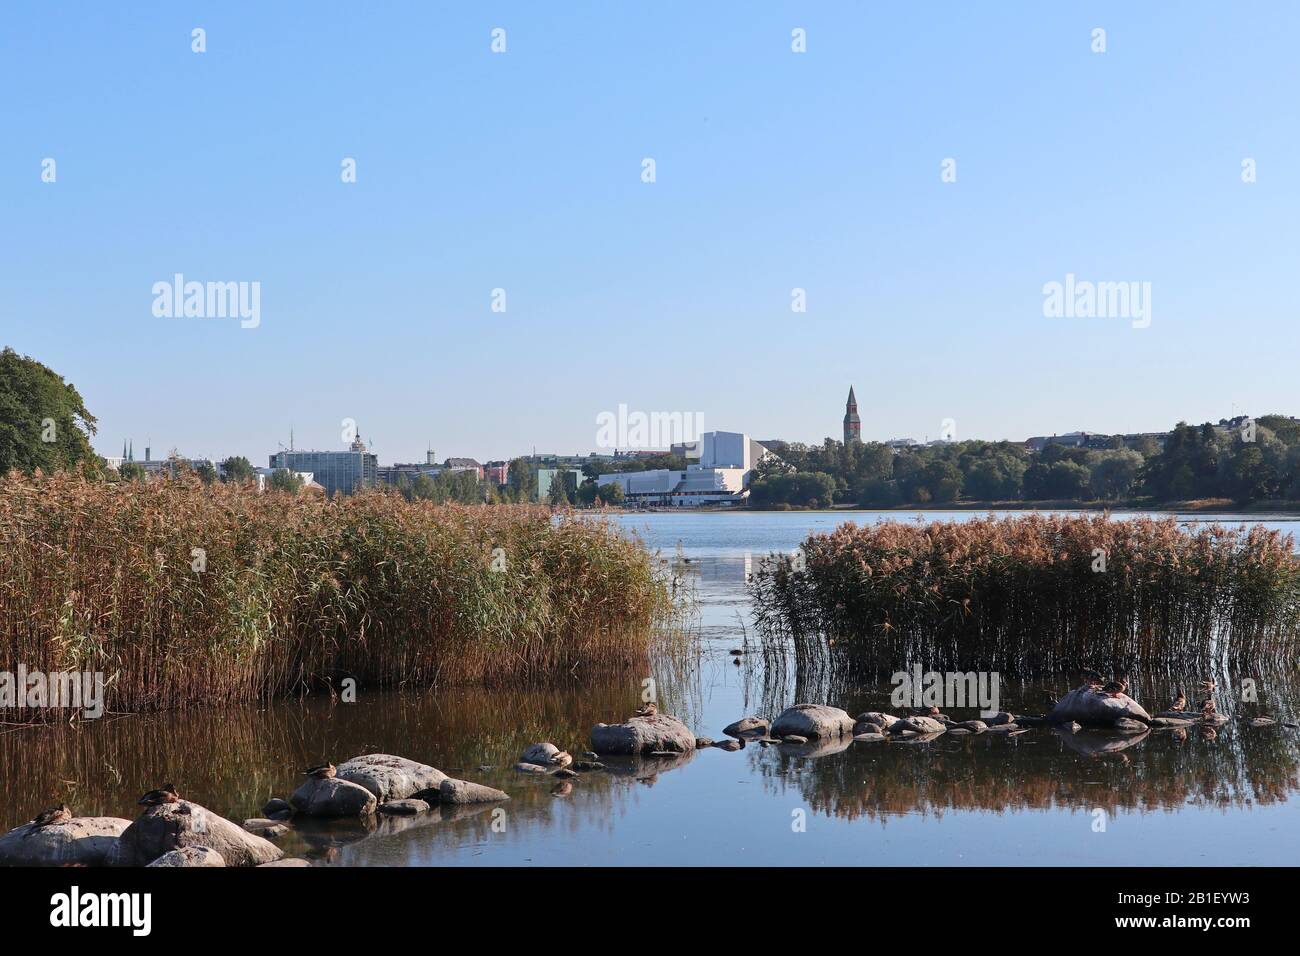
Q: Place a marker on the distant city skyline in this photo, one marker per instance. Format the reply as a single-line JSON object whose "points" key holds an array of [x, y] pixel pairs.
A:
{"points": [[917, 180]]}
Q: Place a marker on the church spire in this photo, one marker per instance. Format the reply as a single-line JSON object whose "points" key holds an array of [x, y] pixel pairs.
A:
{"points": [[852, 424]]}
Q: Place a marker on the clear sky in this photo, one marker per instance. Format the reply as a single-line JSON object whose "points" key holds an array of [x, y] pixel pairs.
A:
{"points": [[523, 171]]}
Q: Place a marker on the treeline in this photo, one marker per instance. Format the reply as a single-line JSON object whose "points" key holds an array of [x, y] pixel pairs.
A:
{"points": [[1260, 460]]}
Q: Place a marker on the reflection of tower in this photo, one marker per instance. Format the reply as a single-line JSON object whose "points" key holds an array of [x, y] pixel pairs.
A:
{"points": [[852, 424]]}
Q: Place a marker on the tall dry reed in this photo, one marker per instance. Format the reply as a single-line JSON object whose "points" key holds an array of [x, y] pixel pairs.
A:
{"points": [[299, 592], [1029, 593]]}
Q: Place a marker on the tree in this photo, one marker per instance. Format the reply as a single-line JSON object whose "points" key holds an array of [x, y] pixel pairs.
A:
{"points": [[611, 493], [521, 481], [207, 474], [132, 471], [559, 492], [237, 470], [282, 479], [43, 420], [1114, 473]]}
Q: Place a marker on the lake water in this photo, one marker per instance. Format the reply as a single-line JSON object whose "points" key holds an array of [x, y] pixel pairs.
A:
{"points": [[1165, 798]]}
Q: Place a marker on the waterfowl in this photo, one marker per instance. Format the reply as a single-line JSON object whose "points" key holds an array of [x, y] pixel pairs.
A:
{"points": [[1180, 702], [561, 759], [164, 794], [322, 771], [647, 710], [53, 816], [1113, 688], [1208, 685]]}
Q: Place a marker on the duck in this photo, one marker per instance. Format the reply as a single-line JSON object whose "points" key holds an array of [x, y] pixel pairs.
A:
{"points": [[322, 771], [648, 709], [1114, 688], [1207, 708], [1208, 685], [561, 759], [164, 794], [53, 816], [1180, 702]]}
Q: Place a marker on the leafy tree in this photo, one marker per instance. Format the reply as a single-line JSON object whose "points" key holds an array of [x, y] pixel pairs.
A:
{"points": [[1114, 474], [282, 479], [132, 471], [611, 493], [237, 470], [206, 472], [43, 420], [559, 491]]}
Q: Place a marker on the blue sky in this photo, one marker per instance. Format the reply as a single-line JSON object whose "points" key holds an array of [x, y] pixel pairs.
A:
{"points": [[522, 171]]}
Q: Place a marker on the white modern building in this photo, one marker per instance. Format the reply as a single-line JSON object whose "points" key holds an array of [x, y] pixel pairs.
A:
{"points": [[721, 476]]}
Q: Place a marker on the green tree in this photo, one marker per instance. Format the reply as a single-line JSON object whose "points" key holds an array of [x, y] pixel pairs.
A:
{"points": [[559, 492], [237, 470], [206, 472], [282, 479], [43, 420]]}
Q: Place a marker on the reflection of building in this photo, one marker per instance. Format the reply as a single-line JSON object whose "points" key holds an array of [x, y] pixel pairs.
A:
{"points": [[721, 476], [852, 424], [338, 472]]}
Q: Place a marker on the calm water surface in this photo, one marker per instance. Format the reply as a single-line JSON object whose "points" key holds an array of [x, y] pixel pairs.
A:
{"points": [[1167, 797]]}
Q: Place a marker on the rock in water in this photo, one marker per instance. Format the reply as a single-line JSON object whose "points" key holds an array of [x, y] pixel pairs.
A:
{"points": [[191, 856], [288, 861], [746, 726], [175, 826], [389, 777], [539, 754], [462, 791], [729, 745], [266, 828], [643, 735], [702, 742], [404, 808], [92, 841], [873, 718], [813, 721], [277, 809], [1094, 709], [1001, 717], [333, 797], [917, 725], [794, 739]]}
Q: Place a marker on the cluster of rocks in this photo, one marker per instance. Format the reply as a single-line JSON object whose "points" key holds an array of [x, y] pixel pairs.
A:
{"points": [[185, 834]]}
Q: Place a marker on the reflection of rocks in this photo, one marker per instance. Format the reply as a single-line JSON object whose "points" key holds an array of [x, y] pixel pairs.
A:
{"points": [[869, 737], [643, 735], [813, 721], [1095, 709], [332, 797], [647, 768], [389, 777], [822, 747], [910, 737], [197, 856], [265, 828], [174, 826], [1166, 723], [1093, 743], [403, 808], [702, 742], [89, 841], [730, 746], [325, 835], [746, 726]]}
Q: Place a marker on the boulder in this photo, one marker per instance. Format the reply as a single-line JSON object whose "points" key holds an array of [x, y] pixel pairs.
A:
{"points": [[1001, 717], [917, 725], [389, 777], [287, 861], [794, 739], [89, 841], [876, 717], [539, 754], [702, 742], [404, 808], [463, 791], [1092, 708], [263, 827], [175, 826], [190, 856], [746, 726], [869, 737], [333, 797], [813, 721], [275, 807], [973, 726], [643, 735], [729, 745]]}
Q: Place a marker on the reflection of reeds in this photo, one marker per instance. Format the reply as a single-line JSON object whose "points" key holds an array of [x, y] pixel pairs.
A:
{"points": [[298, 592], [1027, 593]]}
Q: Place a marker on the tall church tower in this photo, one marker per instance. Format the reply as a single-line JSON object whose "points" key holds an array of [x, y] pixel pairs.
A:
{"points": [[852, 424]]}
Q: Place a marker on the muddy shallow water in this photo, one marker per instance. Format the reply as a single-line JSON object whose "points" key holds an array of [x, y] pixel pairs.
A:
{"points": [[1164, 797]]}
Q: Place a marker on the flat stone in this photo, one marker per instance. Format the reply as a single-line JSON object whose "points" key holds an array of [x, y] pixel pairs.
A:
{"points": [[746, 726], [729, 745], [92, 841], [407, 807], [463, 791], [868, 738], [794, 739], [287, 861], [265, 828], [702, 742]]}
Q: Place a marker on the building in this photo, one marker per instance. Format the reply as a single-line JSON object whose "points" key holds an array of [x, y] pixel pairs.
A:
{"points": [[338, 472], [496, 472], [464, 464], [720, 477], [392, 474], [546, 477], [852, 424]]}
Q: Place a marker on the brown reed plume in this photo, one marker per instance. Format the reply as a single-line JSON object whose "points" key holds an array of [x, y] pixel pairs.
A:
{"points": [[298, 591]]}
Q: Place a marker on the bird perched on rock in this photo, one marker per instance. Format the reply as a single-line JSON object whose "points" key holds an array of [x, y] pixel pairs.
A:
{"points": [[1180, 702], [1114, 688], [164, 794], [322, 771], [561, 758], [53, 816], [647, 710], [1208, 709]]}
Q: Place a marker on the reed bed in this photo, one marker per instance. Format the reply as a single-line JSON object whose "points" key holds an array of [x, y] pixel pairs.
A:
{"points": [[1024, 594], [299, 592]]}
